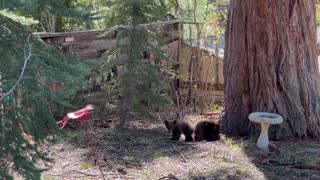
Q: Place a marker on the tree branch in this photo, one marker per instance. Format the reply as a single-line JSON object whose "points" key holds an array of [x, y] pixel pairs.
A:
{"points": [[178, 5], [27, 56], [184, 159]]}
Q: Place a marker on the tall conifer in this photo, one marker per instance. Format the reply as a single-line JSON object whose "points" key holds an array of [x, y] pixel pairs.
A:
{"points": [[138, 79], [26, 110]]}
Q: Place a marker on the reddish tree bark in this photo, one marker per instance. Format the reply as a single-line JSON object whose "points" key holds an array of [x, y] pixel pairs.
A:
{"points": [[271, 65]]}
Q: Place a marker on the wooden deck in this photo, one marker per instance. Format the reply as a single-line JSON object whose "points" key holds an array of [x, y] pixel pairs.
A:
{"points": [[91, 44]]}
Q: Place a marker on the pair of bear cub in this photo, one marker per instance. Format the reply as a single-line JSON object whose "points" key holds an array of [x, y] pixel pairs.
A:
{"points": [[202, 130]]}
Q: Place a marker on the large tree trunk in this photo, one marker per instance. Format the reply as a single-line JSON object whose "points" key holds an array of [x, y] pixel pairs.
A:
{"points": [[271, 65]]}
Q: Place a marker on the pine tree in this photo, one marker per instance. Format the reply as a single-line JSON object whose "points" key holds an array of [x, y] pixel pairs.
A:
{"points": [[27, 108], [139, 79]]}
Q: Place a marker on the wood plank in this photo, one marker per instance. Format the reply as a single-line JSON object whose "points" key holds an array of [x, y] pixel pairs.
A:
{"points": [[62, 34], [91, 46], [87, 55], [169, 36], [97, 31], [168, 30], [82, 37], [201, 85]]}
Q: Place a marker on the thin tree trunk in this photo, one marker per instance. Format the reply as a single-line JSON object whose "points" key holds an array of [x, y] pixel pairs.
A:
{"points": [[271, 65], [2, 137], [190, 71], [217, 48]]}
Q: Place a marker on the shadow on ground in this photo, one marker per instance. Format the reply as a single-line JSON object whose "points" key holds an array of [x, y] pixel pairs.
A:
{"points": [[133, 148], [146, 152], [287, 159]]}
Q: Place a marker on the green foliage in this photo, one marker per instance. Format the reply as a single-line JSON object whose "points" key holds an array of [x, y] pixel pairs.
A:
{"points": [[53, 15], [211, 16], [215, 107], [318, 13], [138, 79], [21, 19], [28, 108], [84, 166], [134, 12], [238, 147], [74, 20]]}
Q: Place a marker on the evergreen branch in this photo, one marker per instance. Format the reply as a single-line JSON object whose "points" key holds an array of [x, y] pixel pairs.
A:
{"points": [[138, 82], [27, 57], [179, 6], [142, 26]]}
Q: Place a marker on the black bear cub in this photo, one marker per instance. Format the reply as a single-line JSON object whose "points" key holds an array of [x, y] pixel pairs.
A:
{"points": [[207, 130], [176, 127]]}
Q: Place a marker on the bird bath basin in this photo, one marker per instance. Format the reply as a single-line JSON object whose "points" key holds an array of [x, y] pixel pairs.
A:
{"points": [[265, 120]]}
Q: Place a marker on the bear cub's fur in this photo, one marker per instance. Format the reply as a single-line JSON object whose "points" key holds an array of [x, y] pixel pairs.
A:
{"points": [[176, 127], [201, 130], [207, 130]]}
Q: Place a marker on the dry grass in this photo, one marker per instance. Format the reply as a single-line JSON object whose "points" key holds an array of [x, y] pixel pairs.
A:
{"points": [[145, 151]]}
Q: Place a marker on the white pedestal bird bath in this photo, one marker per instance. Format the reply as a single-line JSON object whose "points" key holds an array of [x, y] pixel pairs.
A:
{"points": [[265, 119]]}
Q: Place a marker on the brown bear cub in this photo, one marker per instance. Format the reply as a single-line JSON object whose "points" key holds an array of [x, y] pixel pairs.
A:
{"points": [[207, 130], [176, 127]]}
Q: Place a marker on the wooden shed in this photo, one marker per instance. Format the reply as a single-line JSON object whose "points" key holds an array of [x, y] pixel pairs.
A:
{"points": [[91, 44], [206, 72]]}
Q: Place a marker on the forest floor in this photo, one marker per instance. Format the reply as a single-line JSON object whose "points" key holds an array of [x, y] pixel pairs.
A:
{"points": [[144, 151]]}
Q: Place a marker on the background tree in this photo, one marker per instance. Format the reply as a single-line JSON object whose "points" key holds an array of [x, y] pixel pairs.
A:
{"points": [[271, 65], [55, 15], [138, 79], [204, 30], [28, 68]]}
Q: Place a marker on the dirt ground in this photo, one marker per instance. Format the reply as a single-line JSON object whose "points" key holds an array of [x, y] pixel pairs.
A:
{"points": [[145, 151]]}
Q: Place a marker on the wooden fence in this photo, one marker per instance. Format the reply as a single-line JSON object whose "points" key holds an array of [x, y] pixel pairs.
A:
{"points": [[92, 44]]}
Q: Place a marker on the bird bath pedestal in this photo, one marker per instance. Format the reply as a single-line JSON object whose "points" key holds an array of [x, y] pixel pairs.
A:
{"points": [[265, 119]]}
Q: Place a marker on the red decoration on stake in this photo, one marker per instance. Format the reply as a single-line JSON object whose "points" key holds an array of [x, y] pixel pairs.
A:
{"points": [[77, 116], [81, 116]]}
